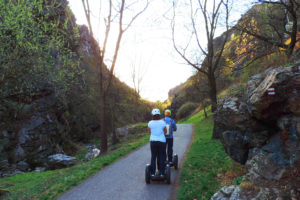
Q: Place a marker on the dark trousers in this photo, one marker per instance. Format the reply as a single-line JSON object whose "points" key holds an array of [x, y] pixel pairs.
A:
{"points": [[169, 145], [158, 152]]}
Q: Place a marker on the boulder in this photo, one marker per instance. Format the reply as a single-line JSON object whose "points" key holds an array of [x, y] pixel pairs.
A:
{"points": [[92, 154], [231, 192], [58, 161], [122, 132], [23, 166], [39, 169]]}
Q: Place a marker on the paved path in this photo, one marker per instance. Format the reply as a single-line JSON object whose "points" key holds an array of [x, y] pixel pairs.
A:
{"points": [[125, 179]]}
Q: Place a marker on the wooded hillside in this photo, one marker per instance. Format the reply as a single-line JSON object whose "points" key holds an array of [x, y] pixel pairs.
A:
{"points": [[245, 54], [49, 86]]}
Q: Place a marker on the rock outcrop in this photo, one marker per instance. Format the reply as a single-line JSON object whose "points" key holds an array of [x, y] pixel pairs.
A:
{"points": [[262, 129], [26, 143], [35, 126], [228, 192]]}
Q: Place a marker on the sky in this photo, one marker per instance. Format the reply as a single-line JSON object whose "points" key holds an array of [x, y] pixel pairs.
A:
{"points": [[146, 46]]}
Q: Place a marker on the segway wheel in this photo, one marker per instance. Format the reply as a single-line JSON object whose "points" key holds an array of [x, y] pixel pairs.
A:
{"points": [[168, 174], [147, 173], [175, 161]]}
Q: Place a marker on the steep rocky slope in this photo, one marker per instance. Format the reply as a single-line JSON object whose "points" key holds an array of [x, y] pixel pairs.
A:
{"points": [[261, 129]]}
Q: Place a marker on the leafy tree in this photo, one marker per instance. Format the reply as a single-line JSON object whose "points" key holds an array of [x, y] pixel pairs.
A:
{"points": [[37, 49]]}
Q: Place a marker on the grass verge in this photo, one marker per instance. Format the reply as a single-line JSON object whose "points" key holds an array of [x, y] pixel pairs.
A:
{"points": [[51, 184], [207, 167]]}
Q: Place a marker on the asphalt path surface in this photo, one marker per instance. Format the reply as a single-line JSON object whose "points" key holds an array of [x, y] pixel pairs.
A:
{"points": [[125, 179]]}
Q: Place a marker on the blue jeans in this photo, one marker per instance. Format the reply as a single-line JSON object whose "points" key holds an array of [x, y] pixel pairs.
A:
{"points": [[169, 144], [158, 151]]}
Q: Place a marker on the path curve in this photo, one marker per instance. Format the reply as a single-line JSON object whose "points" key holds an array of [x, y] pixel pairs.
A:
{"points": [[125, 179]]}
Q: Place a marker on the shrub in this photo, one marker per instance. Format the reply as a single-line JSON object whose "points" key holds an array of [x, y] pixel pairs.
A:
{"points": [[186, 109]]}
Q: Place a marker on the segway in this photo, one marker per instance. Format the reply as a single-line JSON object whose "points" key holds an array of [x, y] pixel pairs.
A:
{"points": [[166, 177], [175, 162]]}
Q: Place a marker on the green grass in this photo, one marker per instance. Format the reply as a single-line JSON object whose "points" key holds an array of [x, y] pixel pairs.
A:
{"points": [[51, 184], [197, 117], [142, 124], [206, 162]]}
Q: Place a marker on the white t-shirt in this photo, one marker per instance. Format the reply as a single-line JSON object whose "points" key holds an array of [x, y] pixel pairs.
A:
{"points": [[157, 130]]}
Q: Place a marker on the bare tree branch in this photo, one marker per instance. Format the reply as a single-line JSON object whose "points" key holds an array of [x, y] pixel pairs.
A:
{"points": [[177, 50], [136, 16], [211, 23], [225, 39], [195, 30], [265, 39], [87, 13], [121, 32]]}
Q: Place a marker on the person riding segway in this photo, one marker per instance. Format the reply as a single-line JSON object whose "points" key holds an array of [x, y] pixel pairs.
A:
{"points": [[157, 129], [171, 125]]}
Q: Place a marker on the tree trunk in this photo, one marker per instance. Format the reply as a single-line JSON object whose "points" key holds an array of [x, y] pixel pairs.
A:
{"points": [[215, 134], [213, 92], [205, 114], [293, 37], [213, 98], [114, 138], [103, 134]]}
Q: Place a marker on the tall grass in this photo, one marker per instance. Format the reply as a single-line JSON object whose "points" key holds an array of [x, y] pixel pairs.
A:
{"points": [[207, 163]]}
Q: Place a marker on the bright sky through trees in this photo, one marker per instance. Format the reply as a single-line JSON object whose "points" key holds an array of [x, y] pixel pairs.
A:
{"points": [[147, 45]]}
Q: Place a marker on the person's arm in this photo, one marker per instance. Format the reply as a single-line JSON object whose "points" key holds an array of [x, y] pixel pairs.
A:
{"points": [[149, 130], [165, 130], [174, 126]]}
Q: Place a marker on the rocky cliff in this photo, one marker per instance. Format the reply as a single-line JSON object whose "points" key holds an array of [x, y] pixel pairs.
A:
{"points": [[34, 127], [261, 129]]}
